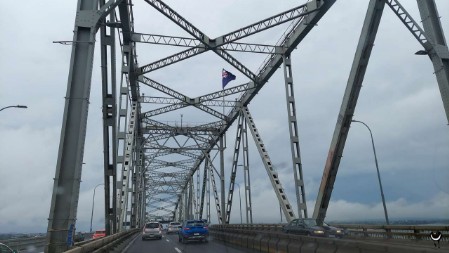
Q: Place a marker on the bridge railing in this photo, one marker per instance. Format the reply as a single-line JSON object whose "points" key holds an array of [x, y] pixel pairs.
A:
{"points": [[23, 244], [415, 232], [407, 232]]}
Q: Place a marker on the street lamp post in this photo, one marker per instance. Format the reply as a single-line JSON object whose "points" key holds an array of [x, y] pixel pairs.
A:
{"points": [[93, 202], [240, 199], [16, 106], [378, 173]]}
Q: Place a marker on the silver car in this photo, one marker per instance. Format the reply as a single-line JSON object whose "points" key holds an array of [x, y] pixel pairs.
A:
{"points": [[173, 227], [152, 230]]}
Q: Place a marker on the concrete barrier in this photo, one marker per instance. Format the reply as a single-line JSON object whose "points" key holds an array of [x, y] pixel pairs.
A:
{"points": [[326, 246], [271, 241], [345, 246], [272, 244], [282, 244], [264, 246], [309, 244]]}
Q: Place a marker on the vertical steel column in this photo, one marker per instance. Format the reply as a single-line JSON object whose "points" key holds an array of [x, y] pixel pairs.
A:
{"points": [[235, 159], [217, 200], [294, 138], [222, 180], [197, 207], [246, 175], [109, 93], [64, 202], [440, 53], [136, 178], [208, 197], [359, 65], [181, 207], [127, 165], [191, 199], [186, 203], [203, 190], [272, 174]]}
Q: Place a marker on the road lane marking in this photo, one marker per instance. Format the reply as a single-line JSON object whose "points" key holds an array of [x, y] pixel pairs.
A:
{"points": [[178, 250], [167, 240]]}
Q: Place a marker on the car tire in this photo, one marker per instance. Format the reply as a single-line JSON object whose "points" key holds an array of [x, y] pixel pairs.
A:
{"points": [[183, 240], [179, 239]]}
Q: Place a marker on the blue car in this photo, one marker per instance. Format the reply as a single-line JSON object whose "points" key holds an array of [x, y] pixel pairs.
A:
{"points": [[193, 230]]}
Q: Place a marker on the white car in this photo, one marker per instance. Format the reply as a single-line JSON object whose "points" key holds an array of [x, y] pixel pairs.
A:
{"points": [[173, 227], [152, 230]]}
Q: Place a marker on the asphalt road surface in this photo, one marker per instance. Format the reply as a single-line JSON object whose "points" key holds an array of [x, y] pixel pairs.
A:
{"points": [[170, 244]]}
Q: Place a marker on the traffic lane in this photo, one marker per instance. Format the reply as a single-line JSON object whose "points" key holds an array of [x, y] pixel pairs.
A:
{"points": [[170, 244], [152, 245], [210, 247]]}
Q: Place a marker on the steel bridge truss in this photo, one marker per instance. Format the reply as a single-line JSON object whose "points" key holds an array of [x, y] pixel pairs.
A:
{"points": [[150, 165]]}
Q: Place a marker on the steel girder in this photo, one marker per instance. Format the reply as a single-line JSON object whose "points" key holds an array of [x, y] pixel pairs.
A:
{"points": [[294, 139], [189, 42], [64, 203], [439, 53], [360, 63], [109, 93], [235, 159], [272, 173], [166, 100]]}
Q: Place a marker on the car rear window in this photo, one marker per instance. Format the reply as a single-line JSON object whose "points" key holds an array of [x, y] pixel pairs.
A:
{"points": [[195, 224], [152, 225], [175, 224]]}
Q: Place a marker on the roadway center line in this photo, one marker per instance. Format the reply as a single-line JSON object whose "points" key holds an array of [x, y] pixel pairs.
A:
{"points": [[178, 250]]}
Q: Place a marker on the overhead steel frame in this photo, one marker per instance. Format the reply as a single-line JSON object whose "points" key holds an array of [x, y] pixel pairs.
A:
{"points": [[306, 15], [434, 45]]}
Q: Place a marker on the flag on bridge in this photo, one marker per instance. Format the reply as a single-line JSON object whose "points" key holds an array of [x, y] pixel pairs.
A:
{"points": [[226, 77]]}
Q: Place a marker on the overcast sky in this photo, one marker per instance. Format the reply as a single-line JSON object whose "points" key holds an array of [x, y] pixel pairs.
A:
{"points": [[399, 100]]}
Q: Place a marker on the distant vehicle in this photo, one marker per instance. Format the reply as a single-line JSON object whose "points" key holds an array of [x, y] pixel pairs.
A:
{"points": [[193, 230], [99, 234], [152, 230], [307, 227], [6, 249], [173, 227]]}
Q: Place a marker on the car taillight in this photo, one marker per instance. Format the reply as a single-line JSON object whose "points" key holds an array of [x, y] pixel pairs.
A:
{"points": [[205, 227], [186, 228]]}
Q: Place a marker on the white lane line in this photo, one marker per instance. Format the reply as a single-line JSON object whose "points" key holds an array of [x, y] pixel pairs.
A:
{"points": [[167, 240], [178, 250]]}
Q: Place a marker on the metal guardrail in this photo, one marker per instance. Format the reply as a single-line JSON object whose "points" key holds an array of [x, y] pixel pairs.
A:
{"points": [[407, 232], [105, 244], [268, 238], [23, 244], [112, 243]]}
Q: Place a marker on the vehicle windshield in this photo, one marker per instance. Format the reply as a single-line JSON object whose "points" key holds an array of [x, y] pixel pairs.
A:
{"points": [[152, 225], [310, 223]]}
